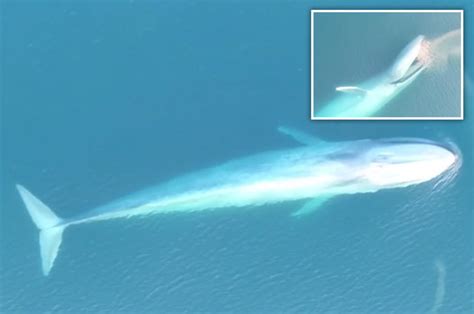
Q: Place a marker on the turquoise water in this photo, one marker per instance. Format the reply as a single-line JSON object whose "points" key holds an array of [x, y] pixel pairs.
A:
{"points": [[102, 99]]}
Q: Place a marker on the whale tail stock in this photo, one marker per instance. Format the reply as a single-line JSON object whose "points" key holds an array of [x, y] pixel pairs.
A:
{"points": [[50, 227]]}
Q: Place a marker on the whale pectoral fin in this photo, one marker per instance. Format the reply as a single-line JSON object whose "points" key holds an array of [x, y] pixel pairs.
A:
{"points": [[311, 206], [352, 89], [299, 136]]}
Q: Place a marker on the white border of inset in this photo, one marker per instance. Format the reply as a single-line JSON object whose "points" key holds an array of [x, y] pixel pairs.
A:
{"points": [[314, 11]]}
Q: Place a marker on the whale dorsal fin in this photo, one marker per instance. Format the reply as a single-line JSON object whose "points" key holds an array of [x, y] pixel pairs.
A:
{"points": [[352, 89], [299, 136]]}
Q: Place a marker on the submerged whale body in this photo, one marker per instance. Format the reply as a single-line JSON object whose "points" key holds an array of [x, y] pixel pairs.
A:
{"points": [[314, 173]]}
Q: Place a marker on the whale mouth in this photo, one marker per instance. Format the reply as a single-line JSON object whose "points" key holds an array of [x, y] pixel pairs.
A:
{"points": [[410, 61], [415, 68]]}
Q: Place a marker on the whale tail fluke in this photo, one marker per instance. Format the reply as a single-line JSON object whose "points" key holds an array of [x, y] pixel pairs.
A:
{"points": [[50, 226]]}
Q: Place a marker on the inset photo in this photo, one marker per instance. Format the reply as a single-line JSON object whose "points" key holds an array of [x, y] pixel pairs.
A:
{"points": [[387, 65]]}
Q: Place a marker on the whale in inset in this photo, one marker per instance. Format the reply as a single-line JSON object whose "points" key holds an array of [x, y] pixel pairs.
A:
{"points": [[366, 99]]}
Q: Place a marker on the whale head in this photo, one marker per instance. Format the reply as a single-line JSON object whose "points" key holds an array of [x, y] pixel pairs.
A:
{"points": [[403, 162], [406, 64]]}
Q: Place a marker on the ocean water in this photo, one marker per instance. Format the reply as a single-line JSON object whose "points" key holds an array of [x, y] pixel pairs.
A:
{"points": [[100, 99]]}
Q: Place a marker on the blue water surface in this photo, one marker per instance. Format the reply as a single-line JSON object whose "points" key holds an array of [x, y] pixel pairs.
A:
{"points": [[100, 99]]}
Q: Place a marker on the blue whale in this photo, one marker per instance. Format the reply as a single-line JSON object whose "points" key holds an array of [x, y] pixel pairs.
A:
{"points": [[314, 172], [366, 99]]}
